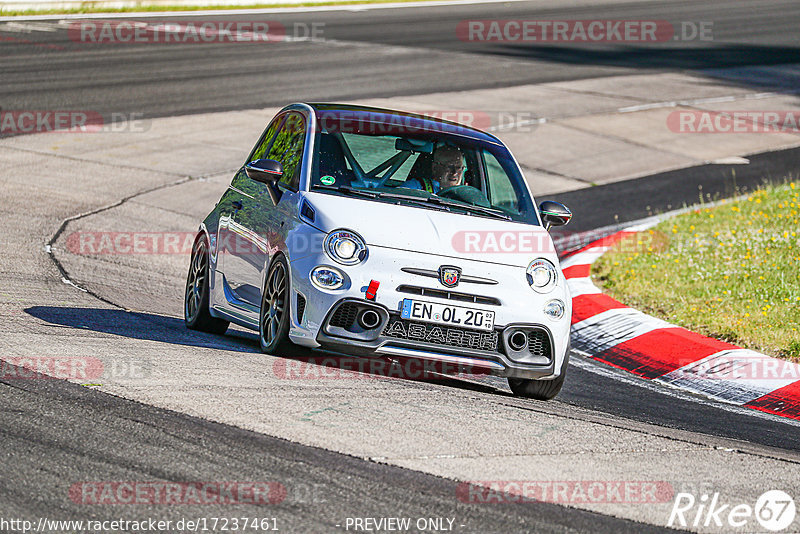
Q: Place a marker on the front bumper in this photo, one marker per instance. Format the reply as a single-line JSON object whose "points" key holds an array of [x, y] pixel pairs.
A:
{"points": [[479, 352], [515, 305]]}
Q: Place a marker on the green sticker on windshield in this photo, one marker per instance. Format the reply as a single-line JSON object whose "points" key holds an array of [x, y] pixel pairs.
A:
{"points": [[327, 180]]}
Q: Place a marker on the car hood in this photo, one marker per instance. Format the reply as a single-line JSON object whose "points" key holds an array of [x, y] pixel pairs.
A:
{"points": [[433, 232]]}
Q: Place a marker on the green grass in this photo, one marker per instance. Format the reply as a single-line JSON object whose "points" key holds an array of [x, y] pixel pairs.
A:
{"points": [[731, 272], [156, 8]]}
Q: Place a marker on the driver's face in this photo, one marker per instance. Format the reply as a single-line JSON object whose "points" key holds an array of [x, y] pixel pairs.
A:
{"points": [[449, 169]]}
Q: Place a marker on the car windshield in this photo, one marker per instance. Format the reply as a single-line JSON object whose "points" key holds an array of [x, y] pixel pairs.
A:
{"points": [[424, 169]]}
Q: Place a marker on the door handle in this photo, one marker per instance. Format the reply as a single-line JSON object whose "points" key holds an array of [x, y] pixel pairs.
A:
{"points": [[237, 204]]}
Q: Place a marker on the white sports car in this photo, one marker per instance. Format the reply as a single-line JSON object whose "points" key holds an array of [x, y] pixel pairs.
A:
{"points": [[376, 232]]}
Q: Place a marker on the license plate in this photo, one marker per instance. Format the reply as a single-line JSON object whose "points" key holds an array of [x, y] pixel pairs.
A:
{"points": [[431, 312]]}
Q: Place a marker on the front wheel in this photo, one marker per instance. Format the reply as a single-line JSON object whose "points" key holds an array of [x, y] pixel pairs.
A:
{"points": [[273, 324], [195, 298], [540, 389]]}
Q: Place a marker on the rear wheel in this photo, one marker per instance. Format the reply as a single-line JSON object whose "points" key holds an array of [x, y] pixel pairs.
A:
{"points": [[273, 331], [540, 389], [195, 298]]}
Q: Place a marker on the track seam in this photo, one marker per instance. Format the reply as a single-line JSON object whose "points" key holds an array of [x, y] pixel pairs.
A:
{"points": [[49, 246]]}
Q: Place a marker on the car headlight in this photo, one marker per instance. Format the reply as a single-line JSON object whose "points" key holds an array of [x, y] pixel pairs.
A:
{"points": [[542, 275], [327, 277], [554, 309], [345, 247]]}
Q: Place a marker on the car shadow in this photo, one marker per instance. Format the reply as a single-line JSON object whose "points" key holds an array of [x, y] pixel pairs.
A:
{"points": [[298, 363], [139, 325], [653, 57]]}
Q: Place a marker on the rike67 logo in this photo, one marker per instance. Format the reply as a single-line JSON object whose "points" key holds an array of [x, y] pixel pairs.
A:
{"points": [[774, 511]]}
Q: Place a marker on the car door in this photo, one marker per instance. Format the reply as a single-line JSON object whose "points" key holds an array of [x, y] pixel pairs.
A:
{"points": [[239, 204], [260, 225]]}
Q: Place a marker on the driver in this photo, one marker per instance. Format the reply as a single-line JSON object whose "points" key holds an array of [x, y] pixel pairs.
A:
{"points": [[448, 171]]}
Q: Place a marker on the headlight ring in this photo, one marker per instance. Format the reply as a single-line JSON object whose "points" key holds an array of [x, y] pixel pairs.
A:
{"points": [[345, 247], [542, 275]]}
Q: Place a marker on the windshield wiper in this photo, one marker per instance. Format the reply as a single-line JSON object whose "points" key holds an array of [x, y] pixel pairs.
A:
{"points": [[370, 194], [448, 204], [348, 190], [427, 202], [437, 203], [473, 207]]}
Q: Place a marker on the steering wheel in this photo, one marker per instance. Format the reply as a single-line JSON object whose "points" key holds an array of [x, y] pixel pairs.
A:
{"points": [[466, 193]]}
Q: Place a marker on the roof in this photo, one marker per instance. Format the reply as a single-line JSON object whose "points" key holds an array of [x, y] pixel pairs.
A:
{"points": [[388, 121]]}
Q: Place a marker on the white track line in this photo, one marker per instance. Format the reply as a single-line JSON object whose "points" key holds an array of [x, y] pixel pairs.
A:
{"points": [[260, 11]]}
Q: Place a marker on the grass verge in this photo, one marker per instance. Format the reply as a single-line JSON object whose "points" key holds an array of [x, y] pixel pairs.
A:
{"points": [[731, 272]]}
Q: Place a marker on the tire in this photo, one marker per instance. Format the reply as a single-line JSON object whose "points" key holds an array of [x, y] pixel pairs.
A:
{"points": [[273, 319], [540, 389], [195, 297]]}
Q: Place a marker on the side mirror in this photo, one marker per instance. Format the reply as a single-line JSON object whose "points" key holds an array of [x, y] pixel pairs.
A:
{"points": [[266, 171], [554, 214]]}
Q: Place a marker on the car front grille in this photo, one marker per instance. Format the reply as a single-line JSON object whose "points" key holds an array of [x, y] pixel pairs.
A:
{"points": [[539, 343], [345, 315], [445, 336], [449, 295], [301, 307]]}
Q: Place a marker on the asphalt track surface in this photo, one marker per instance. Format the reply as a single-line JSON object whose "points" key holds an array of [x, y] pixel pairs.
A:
{"points": [[374, 53], [55, 432]]}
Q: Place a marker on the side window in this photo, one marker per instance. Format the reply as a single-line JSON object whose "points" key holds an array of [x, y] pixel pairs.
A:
{"points": [[288, 149], [501, 191], [241, 181], [266, 140]]}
